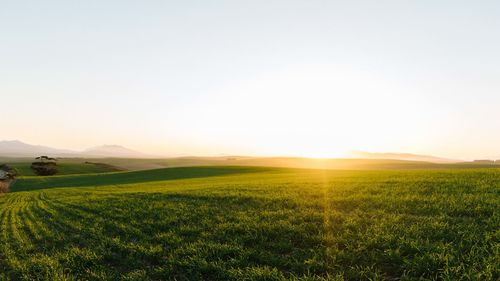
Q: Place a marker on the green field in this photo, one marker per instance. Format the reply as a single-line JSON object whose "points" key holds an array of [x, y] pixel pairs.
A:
{"points": [[253, 223], [66, 168], [285, 162]]}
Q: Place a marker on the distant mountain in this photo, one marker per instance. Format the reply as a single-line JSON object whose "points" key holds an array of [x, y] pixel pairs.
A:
{"points": [[113, 151], [17, 148], [401, 156]]}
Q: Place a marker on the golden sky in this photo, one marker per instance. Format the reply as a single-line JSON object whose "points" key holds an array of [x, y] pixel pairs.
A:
{"points": [[297, 78]]}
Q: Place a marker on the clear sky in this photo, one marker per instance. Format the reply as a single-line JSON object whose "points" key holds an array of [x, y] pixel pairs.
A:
{"points": [[302, 78]]}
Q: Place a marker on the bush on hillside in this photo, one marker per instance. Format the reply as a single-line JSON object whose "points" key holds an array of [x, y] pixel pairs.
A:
{"points": [[45, 168], [10, 173]]}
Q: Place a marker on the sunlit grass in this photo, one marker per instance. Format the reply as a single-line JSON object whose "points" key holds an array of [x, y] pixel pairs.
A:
{"points": [[230, 223]]}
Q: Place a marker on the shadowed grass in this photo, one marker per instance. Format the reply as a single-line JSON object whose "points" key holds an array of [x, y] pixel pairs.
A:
{"points": [[66, 168], [33, 183]]}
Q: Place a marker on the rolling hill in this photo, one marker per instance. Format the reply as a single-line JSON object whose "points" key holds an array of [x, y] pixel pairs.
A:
{"points": [[240, 223], [401, 156]]}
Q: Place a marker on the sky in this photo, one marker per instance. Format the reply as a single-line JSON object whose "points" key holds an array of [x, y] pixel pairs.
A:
{"points": [[295, 78]]}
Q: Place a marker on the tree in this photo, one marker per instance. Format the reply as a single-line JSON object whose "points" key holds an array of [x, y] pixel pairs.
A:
{"points": [[44, 157], [47, 166]]}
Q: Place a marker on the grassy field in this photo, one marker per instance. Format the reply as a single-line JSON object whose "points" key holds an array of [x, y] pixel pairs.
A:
{"points": [[66, 168], [251, 223], [78, 166], [286, 162]]}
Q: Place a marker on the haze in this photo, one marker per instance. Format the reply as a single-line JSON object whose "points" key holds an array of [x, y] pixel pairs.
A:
{"points": [[292, 78]]}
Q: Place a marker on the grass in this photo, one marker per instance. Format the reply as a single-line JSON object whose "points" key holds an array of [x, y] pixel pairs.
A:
{"points": [[66, 168], [287, 162], [241, 223], [147, 176]]}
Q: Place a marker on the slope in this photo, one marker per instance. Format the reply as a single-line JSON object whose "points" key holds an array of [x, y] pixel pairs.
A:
{"points": [[241, 224]]}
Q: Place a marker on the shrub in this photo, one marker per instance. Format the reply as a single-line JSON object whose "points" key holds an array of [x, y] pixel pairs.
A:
{"points": [[44, 168]]}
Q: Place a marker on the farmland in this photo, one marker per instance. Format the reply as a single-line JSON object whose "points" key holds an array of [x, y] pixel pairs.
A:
{"points": [[253, 223], [66, 168]]}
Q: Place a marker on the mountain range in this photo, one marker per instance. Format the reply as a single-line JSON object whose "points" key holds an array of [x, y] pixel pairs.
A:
{"points": [[17, 148]]}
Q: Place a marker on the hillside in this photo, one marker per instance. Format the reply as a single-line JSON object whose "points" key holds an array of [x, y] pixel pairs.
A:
{"points": [[240, 223], [289, 162], [148, 176], [402, 156], [66, 168]]}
